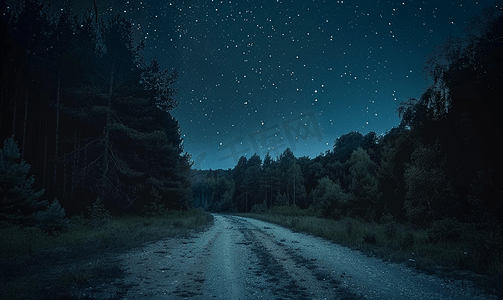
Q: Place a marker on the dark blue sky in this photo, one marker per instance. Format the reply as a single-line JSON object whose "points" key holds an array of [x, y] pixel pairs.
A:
{"points": [[263, 75]]}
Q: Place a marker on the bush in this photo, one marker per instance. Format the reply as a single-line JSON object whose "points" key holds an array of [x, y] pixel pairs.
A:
{"points": [[154, 209], [155, 206], [285, 210], [448, 230], [98, 214], [259, 208], [408, 240], [52, 220], [370, 238], [487, 251], [349, 227], [390, 230], [294, 223]]}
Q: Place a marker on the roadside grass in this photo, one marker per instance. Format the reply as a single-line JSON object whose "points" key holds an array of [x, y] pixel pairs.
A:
{"points": [[34, 264], [117, 233], [451, 255]]}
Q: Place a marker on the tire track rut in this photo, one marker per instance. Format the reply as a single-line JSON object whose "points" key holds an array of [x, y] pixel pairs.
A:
{"points": [[239, 258], [289, 274]]}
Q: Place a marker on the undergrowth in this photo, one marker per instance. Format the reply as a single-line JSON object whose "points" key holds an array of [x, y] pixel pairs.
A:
{"points": [[27, 250], [447, 246]]}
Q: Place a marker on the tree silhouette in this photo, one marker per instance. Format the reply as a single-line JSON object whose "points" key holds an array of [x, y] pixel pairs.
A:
{"points": [[18, 197]]}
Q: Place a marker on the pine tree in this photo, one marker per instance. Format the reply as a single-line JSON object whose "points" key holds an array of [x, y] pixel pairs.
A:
{"points": [[265, 187], [124, 106], [18, 198], [102, 125], [252, 180], [292, 181], [241, 192], [53, 219]]}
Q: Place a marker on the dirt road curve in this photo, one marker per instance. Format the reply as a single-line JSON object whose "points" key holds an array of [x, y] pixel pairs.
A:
{"points": [[240, 258]]}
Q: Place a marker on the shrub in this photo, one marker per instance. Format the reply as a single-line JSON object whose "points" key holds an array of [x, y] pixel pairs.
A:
{"points": [[155, 207], [370, 238], [349, 227], [259, 208], [285, 210], [487, 251], [390, 230], [52, 220], [98, 214], [448, 230], [408, 240], [294, 223]]}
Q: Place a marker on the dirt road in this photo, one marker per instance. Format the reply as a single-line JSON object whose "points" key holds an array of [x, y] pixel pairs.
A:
{"points": [[240, 258]]}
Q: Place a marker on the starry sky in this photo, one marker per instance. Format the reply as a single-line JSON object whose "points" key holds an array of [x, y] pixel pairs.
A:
{"points": [[264, 75]]}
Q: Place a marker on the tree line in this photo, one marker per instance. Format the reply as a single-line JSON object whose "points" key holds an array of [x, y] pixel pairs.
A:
{"points": [[84, 115], [443, 161]]}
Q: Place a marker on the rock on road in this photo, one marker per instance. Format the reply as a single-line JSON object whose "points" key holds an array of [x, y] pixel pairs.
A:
{"points": [[242, 258]]}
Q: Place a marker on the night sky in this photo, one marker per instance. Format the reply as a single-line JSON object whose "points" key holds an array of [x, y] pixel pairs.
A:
{"points": [[258, 76]]}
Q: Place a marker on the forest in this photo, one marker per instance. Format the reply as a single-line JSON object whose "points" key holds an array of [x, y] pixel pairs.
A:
{"points": [[85, 119], [442, 163]]}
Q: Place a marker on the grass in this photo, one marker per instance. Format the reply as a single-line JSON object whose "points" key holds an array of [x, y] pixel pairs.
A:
{"points": [[393, 242], [37, 265]]}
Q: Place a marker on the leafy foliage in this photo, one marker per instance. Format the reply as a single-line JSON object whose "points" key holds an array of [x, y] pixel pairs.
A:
{"points": [[448, 230], [330, 201], [429, 192], [370, 238], [364, 184]]}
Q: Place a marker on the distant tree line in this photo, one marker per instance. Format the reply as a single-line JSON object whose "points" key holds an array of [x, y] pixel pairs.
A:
{"points": [[86, 111], [443, 161]]}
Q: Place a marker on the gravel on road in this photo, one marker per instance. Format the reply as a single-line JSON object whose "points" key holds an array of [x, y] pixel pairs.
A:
{"points": [[242, 258]]}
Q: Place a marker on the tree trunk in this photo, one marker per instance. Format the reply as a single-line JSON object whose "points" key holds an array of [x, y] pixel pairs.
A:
{"points": [[37, 161], [1, 108], [294, 189], [15, 103], [57, 130], [85, 162], [266, 196], [65, 174], [23, 146], [14, 114], [107, 125], [76, 147], [45, 158]]}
